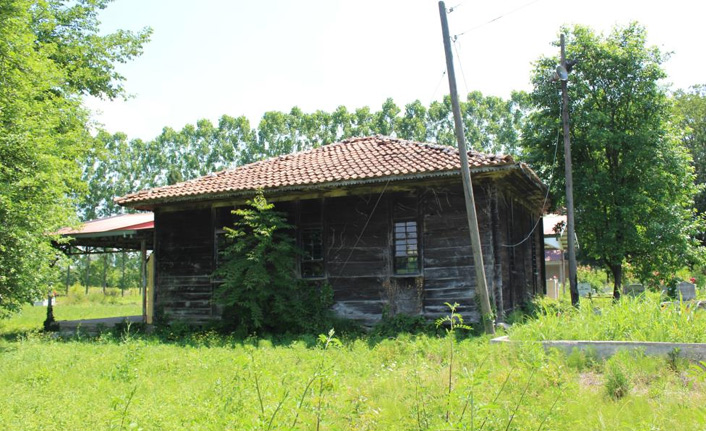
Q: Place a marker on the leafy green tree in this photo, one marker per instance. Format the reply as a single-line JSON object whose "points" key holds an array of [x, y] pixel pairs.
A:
{"points": [[68, 33], [690, 111], [50, 55], [112, 168], [235, 137], [491, 124], [412, 125], [440, 122], [116, 166], [362, 123], [633, 183], [260, 289], [385, 120]]}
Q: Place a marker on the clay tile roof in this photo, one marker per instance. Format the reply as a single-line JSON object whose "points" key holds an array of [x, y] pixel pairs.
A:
{"points": [[349, 161]]}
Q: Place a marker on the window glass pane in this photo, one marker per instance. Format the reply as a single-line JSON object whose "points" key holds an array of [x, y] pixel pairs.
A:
{"points": [[406, 248]]}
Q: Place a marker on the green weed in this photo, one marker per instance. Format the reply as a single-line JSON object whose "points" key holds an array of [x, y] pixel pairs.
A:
{"points": [[617, 382], [643, 318], [208, 381], [451, 323]]}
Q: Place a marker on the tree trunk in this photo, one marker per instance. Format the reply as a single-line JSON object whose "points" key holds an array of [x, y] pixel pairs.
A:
{"points": [[122, 279], [68, 274], [617, 271], [88, 270], [105, 271]]}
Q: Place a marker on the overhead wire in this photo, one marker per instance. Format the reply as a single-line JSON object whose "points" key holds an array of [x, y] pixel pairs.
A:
{"points": [[438, 85], [365, 226], [455, 39], [549, 186], [460, 65], [494, 19], [453, 8]]}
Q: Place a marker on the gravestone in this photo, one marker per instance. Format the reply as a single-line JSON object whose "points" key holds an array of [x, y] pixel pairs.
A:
{"points": [[553, 288], [584, 289], [686, 290], [634, 289]]}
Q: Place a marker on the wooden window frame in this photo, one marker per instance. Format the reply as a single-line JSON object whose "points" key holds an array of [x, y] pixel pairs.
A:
{"points": [[405, 238], [306, 259]]}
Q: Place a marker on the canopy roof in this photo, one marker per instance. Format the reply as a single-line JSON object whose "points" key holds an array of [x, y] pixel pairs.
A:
{"points": [[551, 221], [125, 231]]}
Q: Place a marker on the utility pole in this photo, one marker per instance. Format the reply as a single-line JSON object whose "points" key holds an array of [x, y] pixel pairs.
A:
{"points": [[479, 268], [573, 287]]}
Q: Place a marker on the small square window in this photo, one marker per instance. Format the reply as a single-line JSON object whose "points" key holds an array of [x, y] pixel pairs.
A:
{"points": [[406, 258]]}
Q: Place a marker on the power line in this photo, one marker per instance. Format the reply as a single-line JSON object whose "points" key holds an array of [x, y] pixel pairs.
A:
{"points": [[438, 85], [453, 8], [460, 65], [362, 231], [494, 19], [546, 196]]}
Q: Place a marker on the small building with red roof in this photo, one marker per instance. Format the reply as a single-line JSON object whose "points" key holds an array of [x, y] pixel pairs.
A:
{"points": [[371, 212]]}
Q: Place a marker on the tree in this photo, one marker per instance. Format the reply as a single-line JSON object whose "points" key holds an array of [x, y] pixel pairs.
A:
{"points": [[260, 289], [412, 125], [633, 184], [491, 124], [50, 55], [690, 111], [111, 168]]}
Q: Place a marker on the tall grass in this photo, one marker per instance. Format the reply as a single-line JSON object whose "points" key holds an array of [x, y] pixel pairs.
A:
{"points": [[139, 382], [96, 295], [641, 318], [205, 381]]}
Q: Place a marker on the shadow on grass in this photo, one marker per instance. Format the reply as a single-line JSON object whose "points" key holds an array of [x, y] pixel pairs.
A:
{"points": [[182, 334]]}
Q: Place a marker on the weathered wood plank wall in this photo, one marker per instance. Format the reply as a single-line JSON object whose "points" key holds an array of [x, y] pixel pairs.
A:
{"points": [[358, 232], [184, 263], [357, 248]]}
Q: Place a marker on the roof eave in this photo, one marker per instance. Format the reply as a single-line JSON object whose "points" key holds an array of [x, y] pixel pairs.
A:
{"points": [[148, 204]]}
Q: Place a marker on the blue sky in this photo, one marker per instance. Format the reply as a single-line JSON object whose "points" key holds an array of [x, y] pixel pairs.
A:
{"points": [[210, 58]]}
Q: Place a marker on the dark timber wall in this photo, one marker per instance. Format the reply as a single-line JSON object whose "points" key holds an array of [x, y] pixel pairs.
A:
{"points": [[183, 266], [358, 239]]}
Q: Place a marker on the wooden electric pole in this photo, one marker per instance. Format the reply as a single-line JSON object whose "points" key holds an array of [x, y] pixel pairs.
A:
{"points": [[479, 268], [570, 227]]}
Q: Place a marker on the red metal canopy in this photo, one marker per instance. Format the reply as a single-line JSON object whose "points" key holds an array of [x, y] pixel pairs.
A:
{"points": [[125, 231]]}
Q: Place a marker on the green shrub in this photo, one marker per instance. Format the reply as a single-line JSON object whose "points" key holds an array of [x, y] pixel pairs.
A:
{"points": [[581, 360], [260, 290], [75, 295], [391, 326]]}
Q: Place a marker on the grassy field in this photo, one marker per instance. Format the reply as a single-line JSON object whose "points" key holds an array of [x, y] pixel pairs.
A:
{"points": [[208, 381], [644, 318], [77, 306]]}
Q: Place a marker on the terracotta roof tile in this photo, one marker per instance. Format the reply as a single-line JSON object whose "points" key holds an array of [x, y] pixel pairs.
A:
{"points": [[355, 159]]}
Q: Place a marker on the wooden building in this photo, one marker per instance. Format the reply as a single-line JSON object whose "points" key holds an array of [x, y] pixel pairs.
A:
{"points": [[382, 220]]}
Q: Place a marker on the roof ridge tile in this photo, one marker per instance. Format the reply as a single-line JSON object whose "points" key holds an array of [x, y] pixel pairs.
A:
{"points": [[355, 158]]}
